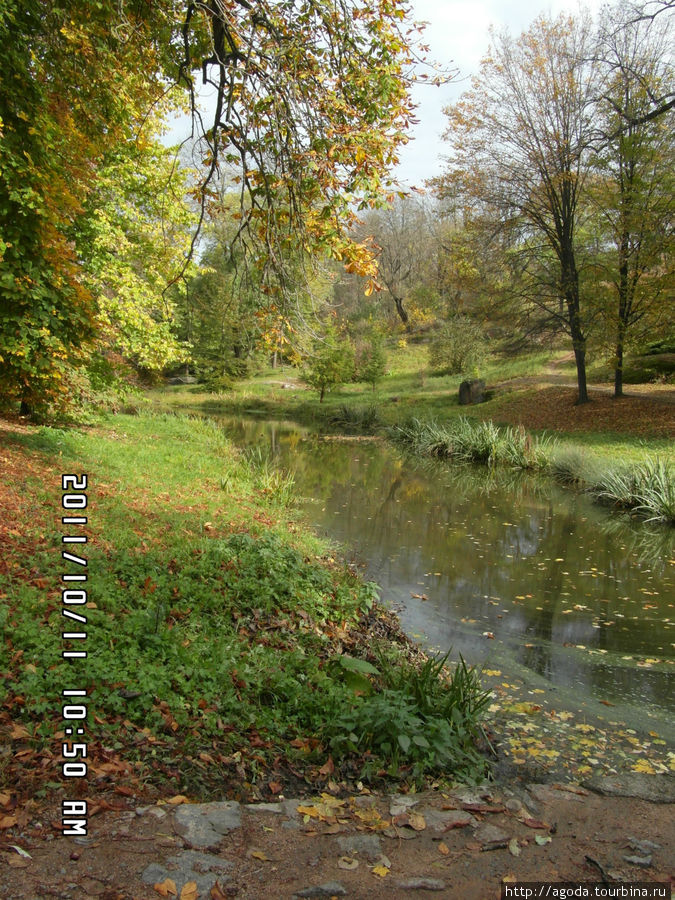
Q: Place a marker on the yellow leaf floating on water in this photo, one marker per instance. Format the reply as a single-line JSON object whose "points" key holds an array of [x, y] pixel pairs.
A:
{"points": [[492, 672], [643, 765]]}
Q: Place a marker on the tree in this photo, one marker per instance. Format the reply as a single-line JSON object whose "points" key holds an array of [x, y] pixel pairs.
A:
{"points": [[633, 191], [57, 118], [401, 237], [519, 138], [133, 236], [312, 105], [331, 362], [371, 359]]}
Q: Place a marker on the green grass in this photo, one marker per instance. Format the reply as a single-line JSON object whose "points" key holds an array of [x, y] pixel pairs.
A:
{"points": [[218, 626]]}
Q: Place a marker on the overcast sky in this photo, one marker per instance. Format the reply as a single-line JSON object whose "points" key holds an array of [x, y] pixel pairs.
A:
{"points": [[457, 34]]}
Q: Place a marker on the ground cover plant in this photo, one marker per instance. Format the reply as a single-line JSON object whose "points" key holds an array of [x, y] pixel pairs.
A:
{"points": [[223, 640]]}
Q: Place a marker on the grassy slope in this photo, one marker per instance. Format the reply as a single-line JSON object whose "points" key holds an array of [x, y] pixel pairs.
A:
{"points": [[216, 626]]}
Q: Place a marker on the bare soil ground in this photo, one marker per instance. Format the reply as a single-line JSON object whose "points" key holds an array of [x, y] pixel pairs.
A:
{"points": [[459, 844]]}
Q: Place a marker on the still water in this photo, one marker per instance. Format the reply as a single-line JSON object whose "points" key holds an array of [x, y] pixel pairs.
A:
{"points": [[507, 569]]}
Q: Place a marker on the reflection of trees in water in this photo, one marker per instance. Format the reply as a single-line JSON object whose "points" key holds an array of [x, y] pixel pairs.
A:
{"points": [[432, 522]]}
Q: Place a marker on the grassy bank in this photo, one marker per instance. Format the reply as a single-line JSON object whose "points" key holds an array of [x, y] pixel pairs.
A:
{"points": [[227, 648], [621, 452]]}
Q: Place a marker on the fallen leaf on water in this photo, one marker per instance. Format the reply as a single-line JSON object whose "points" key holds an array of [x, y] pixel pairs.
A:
{"points": [[166, 888], [190, 891], [346, 862], [514, 849]]}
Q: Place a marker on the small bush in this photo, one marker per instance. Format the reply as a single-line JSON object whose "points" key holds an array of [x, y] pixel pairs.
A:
{"points": [[647, 489], [459, 348], [421, 721]]}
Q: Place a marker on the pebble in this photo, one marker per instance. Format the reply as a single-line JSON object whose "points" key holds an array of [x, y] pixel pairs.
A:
{"points": [[422, 884], [643, 861], [328, 889]]}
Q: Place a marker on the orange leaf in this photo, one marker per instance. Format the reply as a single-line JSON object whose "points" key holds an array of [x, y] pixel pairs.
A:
{"points": [[166, 888], [8, 821], [190, 891], [177, 800]]}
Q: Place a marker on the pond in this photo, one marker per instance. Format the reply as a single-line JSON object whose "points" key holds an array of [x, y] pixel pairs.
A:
{"points": [[515, 573]]}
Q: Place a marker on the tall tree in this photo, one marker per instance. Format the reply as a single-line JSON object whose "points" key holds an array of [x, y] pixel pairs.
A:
{"points": [[519, 140], [635, 164], [312, 105]]}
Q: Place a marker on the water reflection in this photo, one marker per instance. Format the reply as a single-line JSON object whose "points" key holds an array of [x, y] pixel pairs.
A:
{"points": [[495, 563]]}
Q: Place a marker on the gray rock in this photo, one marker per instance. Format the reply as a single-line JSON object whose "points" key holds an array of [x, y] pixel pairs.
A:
{"points": [[422, 884], [645, 847], [491, 837], [446, 819], [643, 861], [275, 808], [189, 865], [202, 825], [368, 845], [329, 889], [402, 803], [655, 788]]}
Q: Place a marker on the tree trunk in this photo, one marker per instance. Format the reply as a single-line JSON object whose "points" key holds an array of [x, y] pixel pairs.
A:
{"points": [[25, 409], [323, 391], [618, 370], [580, 359], [274, 360], [402, 314]]}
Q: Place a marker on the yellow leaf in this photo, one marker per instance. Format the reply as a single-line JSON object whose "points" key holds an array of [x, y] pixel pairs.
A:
{"points": [[190, 891], [381, 871], [443, 848], [166, 888], [179, 798], [416, 821], [258, 854]]}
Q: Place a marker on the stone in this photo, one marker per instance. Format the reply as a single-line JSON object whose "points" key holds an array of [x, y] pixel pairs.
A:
{"points": [[202, 825], [368, 845], [329, 889], [274, 808], [655, 788], [401, 803], [189, 865], [447, 819], [472, 392], [643, 861], [645, 847], [491, 837], [421, 884]]}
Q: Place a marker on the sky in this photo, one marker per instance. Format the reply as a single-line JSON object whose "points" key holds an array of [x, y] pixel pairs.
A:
{"points": [[457, 35]]}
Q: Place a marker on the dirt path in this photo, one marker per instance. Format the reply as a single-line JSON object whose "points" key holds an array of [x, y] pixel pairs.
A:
{"points": [[459, 844]]}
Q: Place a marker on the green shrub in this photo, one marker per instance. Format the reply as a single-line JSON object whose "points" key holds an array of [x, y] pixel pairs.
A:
{"points": [[460, 347]]}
